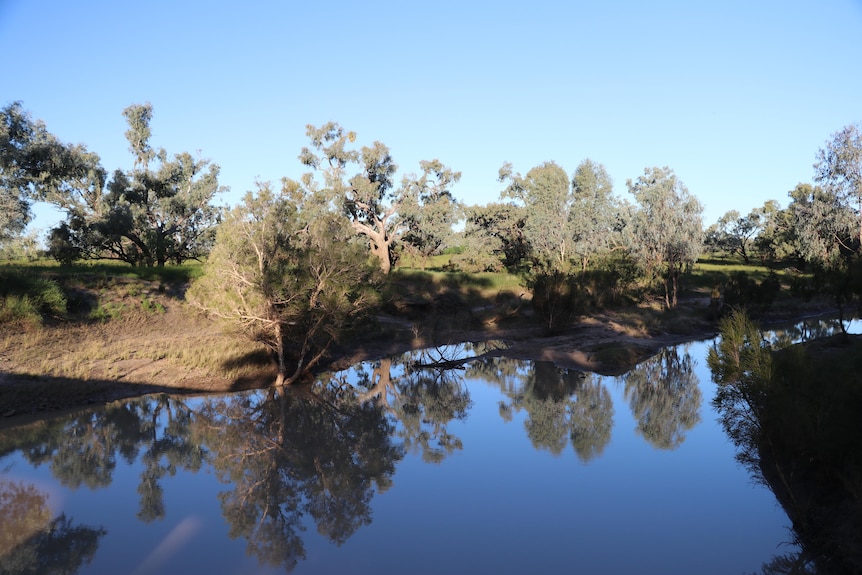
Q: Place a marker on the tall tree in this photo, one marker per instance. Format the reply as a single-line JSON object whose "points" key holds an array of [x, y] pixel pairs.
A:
{"points": [[286, 270], [159, 211], [666, 229], [595, 212], [35, 165], [839, 169], [369, 197], [546, 196], [429, 209]]}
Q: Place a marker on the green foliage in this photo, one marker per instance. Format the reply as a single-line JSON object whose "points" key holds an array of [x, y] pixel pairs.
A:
{"points": [[544, 193], [741, 291], [428, 209], [288, 272], [24, 247], [107, 312], [494, 235], [839, 168], [152, 307], [422, 209], [793, 415], [27, 299], [666, 231]]}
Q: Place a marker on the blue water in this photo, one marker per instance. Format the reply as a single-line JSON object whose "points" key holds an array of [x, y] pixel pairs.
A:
{"points": [[467, 477]]}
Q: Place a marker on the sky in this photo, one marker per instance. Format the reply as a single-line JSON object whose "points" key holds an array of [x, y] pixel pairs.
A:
{"points": [[736, 97]]}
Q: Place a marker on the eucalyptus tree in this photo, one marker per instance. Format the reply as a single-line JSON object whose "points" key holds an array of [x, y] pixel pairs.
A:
{"points": [[595, 213], [666, 229], [35, 165], [368, 195], [545, 194], [286, 270], [839, 169], [826, 230], [429, 209], [159, 211], [495, 232], [823, 224], [736, 234]]}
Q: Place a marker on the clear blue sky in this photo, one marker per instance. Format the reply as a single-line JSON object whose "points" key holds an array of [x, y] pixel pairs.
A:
{"points": [[736, 96]]}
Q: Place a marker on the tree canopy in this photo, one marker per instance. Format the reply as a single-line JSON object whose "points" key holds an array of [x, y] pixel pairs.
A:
{"points": [[666, 230], [286, 270]]}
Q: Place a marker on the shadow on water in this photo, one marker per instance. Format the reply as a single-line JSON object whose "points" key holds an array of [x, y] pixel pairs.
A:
{"points": [[794, 417]]}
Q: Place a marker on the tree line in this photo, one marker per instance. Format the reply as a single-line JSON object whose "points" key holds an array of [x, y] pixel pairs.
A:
{"points": [[296, 264]]}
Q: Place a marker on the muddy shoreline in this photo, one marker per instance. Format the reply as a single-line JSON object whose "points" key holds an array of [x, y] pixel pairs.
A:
{"points": [[607, 344]]}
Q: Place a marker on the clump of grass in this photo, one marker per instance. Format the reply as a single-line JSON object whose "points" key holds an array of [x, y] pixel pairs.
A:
{"points": [[107, 312], [152, 306], [28, 299]]}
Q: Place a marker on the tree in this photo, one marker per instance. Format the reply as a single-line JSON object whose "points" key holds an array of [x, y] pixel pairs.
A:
{"points": [[287, 272], [149, 215], [545, 195], [826, 230], [498, 229], [594, 216], [839, 169], [735, 234], [666, 229], [33, 164], [429, 209], [369, 197]]}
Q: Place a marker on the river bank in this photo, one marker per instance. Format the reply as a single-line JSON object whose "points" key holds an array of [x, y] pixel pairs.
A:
{"points": [[178, 351]]}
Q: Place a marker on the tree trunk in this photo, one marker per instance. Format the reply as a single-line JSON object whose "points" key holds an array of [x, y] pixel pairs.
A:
{"points": [[381, 250], [279, 352]]}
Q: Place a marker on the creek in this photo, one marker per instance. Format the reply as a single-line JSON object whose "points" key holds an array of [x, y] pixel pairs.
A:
{"points": [[493, 466]]}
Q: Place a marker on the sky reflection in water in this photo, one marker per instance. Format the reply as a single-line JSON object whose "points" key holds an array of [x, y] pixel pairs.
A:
{"points": [[502, 466]]}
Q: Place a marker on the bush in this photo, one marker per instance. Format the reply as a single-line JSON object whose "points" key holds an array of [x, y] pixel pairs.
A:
{"points": [[741, 291], [29, 299]]}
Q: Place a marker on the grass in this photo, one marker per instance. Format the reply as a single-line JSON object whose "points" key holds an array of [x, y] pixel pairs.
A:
{"points": [[109, 269], [714, 271]]}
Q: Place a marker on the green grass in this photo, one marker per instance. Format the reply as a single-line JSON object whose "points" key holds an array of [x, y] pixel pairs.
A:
{"points": [[716, 271], [105, 268]]}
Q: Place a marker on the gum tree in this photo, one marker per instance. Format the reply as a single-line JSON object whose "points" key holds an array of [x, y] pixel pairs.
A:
{"points": [[666, 228], [361, 183], [839, 169]]}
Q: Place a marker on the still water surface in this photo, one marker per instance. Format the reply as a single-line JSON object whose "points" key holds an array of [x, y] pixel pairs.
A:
{"points": [[501, 466]]}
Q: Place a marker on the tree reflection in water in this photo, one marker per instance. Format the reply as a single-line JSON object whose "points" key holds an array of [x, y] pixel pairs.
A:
{"points": [[290, 452], [561, 405], [32, 542], [424, 401], [665, 397], [793, 415]]}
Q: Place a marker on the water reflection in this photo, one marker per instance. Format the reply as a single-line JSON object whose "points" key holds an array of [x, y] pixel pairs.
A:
{"points": [[31, 541], [793, 416], [665, 397], [561, 405], [423, 401], [288, 453], [315, 457]]}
